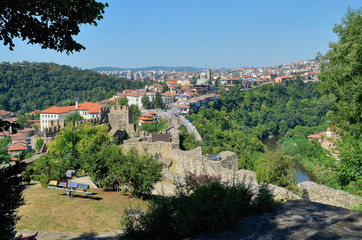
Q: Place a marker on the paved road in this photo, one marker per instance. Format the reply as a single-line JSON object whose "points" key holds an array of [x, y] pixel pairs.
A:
{"points": [[190, 128], [173, 113]]}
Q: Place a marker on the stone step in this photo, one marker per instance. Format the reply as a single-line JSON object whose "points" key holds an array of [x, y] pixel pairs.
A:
{"points": [[348, 228], [296, 220]]}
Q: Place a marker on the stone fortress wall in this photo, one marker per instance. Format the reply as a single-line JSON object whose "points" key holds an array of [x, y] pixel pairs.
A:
{"points": [[119, 118], [227, 168], [56, 125]]}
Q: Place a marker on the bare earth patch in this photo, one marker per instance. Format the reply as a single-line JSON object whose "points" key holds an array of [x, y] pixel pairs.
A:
{"points": [[52, 210]]}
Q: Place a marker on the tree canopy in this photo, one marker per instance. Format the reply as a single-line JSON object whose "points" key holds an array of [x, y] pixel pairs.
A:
{"points": [[123, 101], [241, 120], [341, 81], [52, 24], [341, 75], [158, 100], [145, 101], [89, 149], [29, 86], [11, 198]]}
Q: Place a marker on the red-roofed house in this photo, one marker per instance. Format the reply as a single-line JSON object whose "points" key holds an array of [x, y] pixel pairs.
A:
{"points": [[28, 132], [183, 108], [87, 110], [168, 98], [4, 134], [147, 119], [314, 136], [11, 120], [17, 148], [4, 114]]}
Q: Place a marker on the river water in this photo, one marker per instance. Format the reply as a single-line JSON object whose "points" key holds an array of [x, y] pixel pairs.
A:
{"points": [[302, 173]]}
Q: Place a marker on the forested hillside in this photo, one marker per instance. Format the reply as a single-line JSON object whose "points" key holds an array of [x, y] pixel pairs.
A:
{"points": [[242, 119], [28, 86]]}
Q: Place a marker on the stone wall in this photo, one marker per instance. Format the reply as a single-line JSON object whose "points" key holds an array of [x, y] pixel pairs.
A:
{"points": [[56, 125], [227, 169], [323, 194], [146, 145], [120, 118]]}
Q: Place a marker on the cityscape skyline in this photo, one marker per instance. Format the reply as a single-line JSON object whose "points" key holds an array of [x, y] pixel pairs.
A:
{"points": [[199, 34]]}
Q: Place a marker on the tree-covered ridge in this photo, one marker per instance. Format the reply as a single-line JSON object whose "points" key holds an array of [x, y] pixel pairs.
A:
{"points": [[242, 119], [28, 86]]}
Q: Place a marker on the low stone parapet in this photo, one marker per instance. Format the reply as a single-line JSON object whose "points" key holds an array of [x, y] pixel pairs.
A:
{"points": [[323, 194]]}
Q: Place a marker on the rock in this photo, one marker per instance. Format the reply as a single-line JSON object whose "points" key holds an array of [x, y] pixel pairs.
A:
{"points": [[229, 160]]}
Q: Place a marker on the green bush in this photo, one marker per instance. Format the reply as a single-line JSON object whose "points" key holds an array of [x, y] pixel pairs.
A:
{"points": [[211, 207], [276, 168], [39, 144], [27, 174]]}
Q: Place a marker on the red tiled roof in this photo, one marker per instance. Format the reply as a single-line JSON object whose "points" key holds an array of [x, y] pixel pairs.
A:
{"points": [[4, 133], [11, 120], [19, 146], [183, 106], [145, 118], [3, 112], [18, 138], [19, 134], [26, 130], [314, 136], [90, 107], [168, 94]]}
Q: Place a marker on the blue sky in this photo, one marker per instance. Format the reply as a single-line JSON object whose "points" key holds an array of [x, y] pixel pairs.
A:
{"points": [[140, 33]]}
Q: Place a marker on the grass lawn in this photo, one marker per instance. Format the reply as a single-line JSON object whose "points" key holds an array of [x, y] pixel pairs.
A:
{"points": [[52, 210]]}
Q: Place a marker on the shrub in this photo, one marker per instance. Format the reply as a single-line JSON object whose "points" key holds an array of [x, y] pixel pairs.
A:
{"points": [[211, 207], [39, 144], [194, 181], [27, 174], [276, 168]]}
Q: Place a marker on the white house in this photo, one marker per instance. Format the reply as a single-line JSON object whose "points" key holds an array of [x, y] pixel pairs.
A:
{"points": [[87, 110], [135, 98]]}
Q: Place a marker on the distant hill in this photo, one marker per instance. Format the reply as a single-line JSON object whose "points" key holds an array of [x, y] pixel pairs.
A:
{"points": [[28, 86], [155, 68]]}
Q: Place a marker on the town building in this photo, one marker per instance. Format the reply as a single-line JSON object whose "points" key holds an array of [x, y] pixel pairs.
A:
{"points": [[196, 103], [168, 98], [17, 147], [87, 110], [4, 114]]}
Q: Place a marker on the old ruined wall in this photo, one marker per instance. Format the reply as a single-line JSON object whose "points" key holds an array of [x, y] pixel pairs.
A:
{"points": [[56, 125], [120, 118], [227, 169], [163, 148], [323, 194]]}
